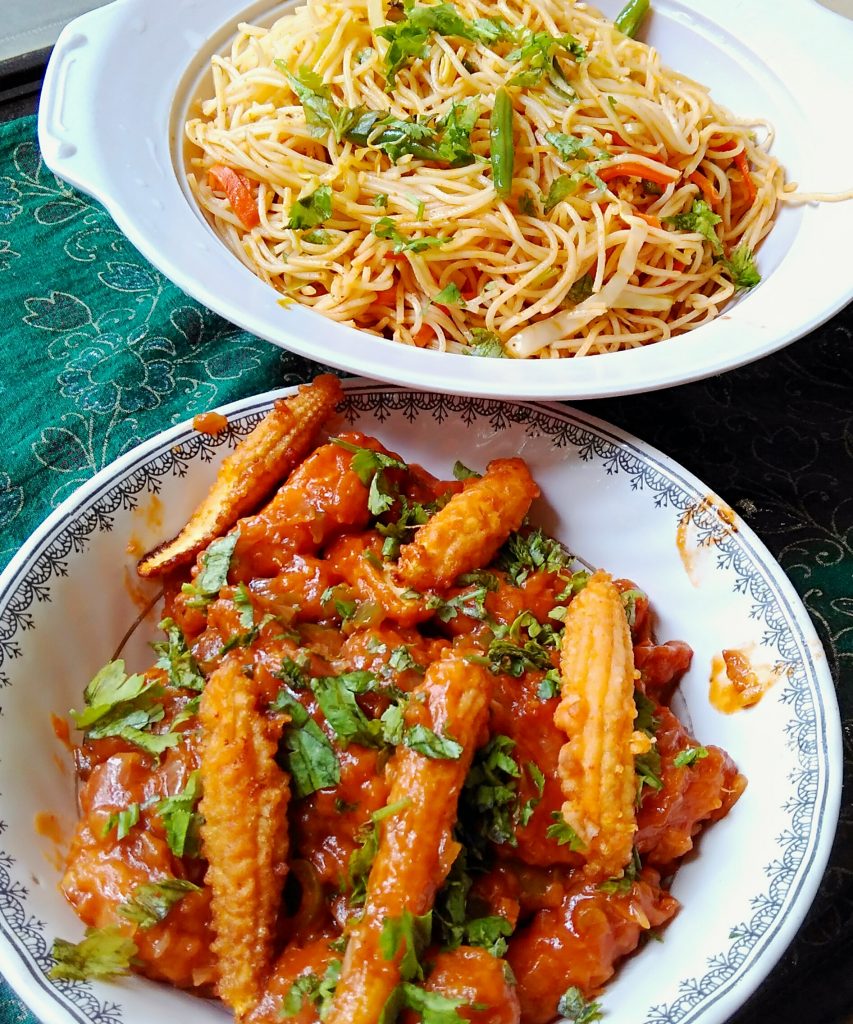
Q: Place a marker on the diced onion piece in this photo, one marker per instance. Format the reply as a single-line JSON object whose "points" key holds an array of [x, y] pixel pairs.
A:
{"points": [[563, 325], [633, 297]]}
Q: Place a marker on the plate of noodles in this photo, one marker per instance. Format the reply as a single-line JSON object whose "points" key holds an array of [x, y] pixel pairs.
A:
{"points": [[455, 705], [392, 188]]}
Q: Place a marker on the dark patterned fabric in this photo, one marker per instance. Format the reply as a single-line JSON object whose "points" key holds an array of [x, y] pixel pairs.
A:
{"points": [[101, 352]]}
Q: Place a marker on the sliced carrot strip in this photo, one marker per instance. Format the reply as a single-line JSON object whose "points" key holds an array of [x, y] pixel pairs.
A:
{"points": [[708, 191], [629, 170], [239, 191], [423, 335], [649, 218], [743, 166]]}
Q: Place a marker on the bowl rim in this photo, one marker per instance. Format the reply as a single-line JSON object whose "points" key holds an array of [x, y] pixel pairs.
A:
{"points": [[53, 1004], [87, 82]]}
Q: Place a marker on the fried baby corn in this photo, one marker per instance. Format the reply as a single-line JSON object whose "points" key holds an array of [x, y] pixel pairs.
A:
{"points": [[597, 713], [245, 837], [416, 849], [471, 527], [261, 460]]}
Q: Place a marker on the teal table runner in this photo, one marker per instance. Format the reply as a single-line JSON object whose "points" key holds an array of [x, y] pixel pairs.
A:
{"points": [[99, 352]]}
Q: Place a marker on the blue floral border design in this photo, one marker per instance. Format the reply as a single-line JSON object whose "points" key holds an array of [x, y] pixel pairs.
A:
{"points": [[666, 488]]}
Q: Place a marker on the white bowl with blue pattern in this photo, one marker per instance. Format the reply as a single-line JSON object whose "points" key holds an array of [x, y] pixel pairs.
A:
{"points": [[70, 600]]}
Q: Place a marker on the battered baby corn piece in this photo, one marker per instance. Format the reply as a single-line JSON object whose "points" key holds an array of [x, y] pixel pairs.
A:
{"points": [[261, 460], [597, 713], [245, 837], [416, 850], [468, 531]]}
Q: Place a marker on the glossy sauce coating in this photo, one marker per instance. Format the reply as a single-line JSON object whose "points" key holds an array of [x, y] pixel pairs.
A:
{"points": [[312, 571]]}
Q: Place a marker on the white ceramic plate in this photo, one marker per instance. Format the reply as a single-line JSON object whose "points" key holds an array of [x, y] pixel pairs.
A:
{"points": [[121, 80], [70, 599]]}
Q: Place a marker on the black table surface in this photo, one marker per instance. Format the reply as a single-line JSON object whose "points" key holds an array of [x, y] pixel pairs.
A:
{"points": [[715, 428]]}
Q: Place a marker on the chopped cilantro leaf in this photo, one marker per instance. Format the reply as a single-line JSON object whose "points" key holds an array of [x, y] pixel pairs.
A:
{"points": [[509, 653], [645, 720], [312, 209], [317, 237], [215, 563], [530, 552], [380, 200], [527, 204], [561, 188], [536, 776], [151, 902], [245, 639], [699, 219], [629, 603], [451, 903], [741, 267], [486, 344], [124, 706], [462, 472], [538, 55], [398, 138], [449, 296], [110, 687], [412, 515], [430, 744], [318, 991], [322, 114], [292, 670], [369, 466], [581, 289], [336, 697], [453, 924], [689, 756], [433, 1007], [647, 768], [243, 602], [549, 685], [303, 987], [563, 832], [567, 185], [570, 147], [469, 602], [182, 821], [489, 932], [103, 953], [393, 726], [358, 868], [489, 800], [401, 660], [407, 934], [290, 705], [494, 30], [122, 821], [456, 126], [409, 36], [176, 659], [360, 863], [387, 229], [575, 1008], [629, 875], [449, 141], [311, 760]]}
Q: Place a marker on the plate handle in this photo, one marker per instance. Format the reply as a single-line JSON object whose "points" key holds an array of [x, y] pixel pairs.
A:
{"points": [[69, 136]]}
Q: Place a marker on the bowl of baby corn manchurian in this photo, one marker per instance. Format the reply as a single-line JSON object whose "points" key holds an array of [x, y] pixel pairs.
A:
{"points": [[407, 759]]}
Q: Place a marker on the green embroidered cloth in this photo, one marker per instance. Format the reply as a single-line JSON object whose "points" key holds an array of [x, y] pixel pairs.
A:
{"points": [[101, 352]]}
